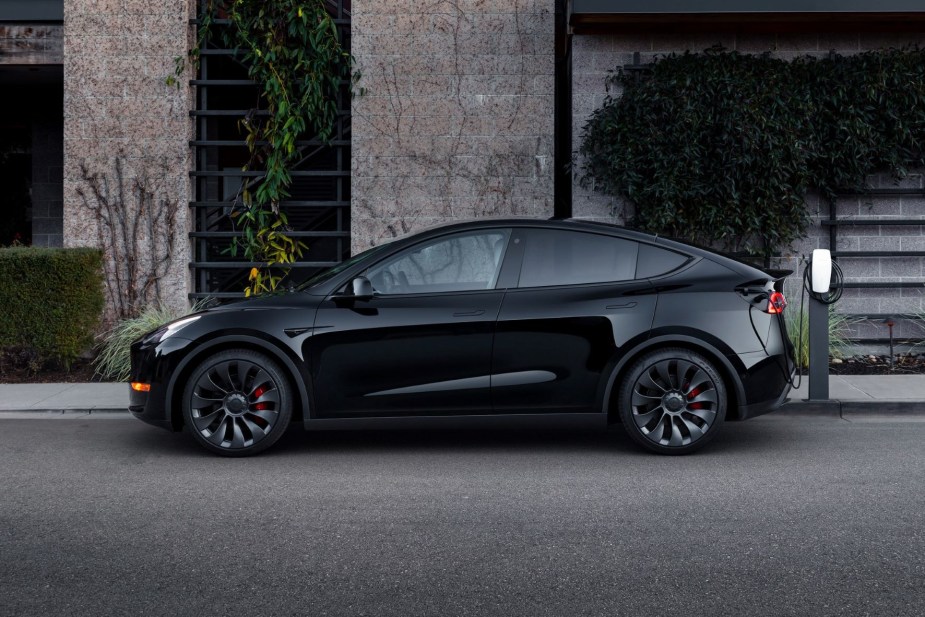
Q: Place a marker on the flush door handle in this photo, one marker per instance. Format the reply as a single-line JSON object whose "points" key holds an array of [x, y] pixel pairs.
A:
{"points": [[626, 305], [475, 313]]}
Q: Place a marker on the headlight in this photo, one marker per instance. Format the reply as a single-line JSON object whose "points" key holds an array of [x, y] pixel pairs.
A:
{"points": [[169, 330], [173, 328]]}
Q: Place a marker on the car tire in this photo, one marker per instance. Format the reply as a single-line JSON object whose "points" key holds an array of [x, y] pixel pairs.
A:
{"points": [[672, 401], [237, 402]]}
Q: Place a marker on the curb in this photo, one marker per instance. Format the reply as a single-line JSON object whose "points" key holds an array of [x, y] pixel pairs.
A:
{"points": [[832, 408], [840, 408], [66, 412]]}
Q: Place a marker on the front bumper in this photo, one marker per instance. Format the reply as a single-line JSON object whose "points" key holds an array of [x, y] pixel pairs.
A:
{"points": [[154, 364]]}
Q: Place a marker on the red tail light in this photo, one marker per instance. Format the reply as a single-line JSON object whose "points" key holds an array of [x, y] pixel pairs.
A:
{"points": [[776, 303]]}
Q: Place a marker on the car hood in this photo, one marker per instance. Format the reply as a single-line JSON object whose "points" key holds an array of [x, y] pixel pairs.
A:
{"points": [[279, 300]]}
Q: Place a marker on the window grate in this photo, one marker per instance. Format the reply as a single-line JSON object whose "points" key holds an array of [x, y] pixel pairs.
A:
{"points": [[318, 208]]}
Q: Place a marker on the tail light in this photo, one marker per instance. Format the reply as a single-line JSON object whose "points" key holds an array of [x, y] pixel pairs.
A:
{"points": [[776, 303]]}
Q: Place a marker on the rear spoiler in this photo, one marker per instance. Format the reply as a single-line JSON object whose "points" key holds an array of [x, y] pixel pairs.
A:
{"points": [[757, 285], [777, 276]]}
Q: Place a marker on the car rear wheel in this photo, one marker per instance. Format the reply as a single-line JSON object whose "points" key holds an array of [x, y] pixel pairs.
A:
{"points": [[237, 402], [672, 401]]}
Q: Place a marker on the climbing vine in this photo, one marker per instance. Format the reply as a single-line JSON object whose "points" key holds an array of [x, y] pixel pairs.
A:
{"points": [[292, 51], [723, 147]]}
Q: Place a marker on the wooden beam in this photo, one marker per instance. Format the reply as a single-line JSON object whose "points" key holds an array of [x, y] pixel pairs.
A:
{"points": [[31, 43], [610, 23]]}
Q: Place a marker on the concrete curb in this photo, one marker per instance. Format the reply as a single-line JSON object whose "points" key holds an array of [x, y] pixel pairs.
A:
{"points": [[842, 408], [830, 408], [65, 412]]}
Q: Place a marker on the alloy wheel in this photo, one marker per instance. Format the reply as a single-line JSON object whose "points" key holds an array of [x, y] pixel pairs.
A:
{"points": [[674, 402], [235, 404]]}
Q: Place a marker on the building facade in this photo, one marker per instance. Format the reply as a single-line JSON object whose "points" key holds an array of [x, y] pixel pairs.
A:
{"points": [[471, 109]]}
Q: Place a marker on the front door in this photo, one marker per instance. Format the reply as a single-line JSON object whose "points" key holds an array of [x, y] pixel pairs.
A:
{"points": [[422, 344]]}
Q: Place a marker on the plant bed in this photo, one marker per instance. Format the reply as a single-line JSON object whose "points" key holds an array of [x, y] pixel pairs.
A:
{"points": [[905, 364], [16, 367]]}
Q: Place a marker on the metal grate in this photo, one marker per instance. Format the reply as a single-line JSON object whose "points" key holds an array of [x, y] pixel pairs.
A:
{"points": [[319, 208]]}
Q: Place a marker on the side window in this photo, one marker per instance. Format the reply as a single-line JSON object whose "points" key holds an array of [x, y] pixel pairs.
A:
{"points": [[554, 257], [656, 261], [463, 262]]}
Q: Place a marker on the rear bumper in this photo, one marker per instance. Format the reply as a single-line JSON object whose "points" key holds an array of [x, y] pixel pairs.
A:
{"points": [[766, 382], [758, 409]]}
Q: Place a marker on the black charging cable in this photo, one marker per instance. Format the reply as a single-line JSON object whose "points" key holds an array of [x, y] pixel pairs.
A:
{"points": [[835, 288]]}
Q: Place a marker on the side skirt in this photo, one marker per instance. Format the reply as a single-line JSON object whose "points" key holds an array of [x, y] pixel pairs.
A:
{"points": [[544, 420]]}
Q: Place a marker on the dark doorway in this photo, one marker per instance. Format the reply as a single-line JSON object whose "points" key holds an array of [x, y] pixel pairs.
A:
{"points": [[31, 155]]}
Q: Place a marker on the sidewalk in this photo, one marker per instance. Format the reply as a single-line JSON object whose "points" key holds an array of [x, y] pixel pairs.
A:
{"points": [[64, 397], [863, 394], [890, 394]]}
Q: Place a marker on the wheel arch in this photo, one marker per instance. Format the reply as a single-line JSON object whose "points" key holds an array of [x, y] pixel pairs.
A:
{"points": [[174, 406], [723, 364]]}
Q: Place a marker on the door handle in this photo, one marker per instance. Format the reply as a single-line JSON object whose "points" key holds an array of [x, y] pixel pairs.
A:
{"points": [[621, 306], [469, 313]]}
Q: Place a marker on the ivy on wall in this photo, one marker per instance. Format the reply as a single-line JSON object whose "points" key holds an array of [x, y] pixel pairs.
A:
{"points": [[293, 53], [722, 147]]}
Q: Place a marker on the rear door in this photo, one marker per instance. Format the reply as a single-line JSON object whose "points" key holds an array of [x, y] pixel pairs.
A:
{"points": [[576, 303]]}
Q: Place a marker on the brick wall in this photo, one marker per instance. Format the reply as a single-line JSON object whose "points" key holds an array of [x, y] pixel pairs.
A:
{"points": [[117, 54], [457, 119], [595, 55]]}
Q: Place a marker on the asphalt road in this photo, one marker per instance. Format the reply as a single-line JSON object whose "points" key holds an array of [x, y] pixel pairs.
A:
{"points": [[780, 516]]}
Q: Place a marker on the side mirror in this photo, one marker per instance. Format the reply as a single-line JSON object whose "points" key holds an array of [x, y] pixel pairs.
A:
{"points": [[362, 288]]}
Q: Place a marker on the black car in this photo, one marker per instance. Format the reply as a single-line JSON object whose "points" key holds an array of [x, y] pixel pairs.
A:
{"points": [[490, 322]]}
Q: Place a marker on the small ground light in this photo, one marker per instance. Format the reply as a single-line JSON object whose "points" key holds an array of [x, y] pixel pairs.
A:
{"points": [[889, 324]]}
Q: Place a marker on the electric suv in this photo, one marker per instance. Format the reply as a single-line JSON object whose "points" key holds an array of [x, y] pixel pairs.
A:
{"points": [[488, 322]]}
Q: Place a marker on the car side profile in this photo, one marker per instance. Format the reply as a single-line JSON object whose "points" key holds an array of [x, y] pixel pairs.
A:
{"points": [[482, 323]]}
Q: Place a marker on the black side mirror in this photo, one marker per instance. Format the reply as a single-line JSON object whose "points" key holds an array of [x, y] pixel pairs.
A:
{"points": [[362, 288]]}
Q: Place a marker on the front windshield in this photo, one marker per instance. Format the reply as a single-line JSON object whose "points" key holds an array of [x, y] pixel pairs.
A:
{"points": [[326, 275]]}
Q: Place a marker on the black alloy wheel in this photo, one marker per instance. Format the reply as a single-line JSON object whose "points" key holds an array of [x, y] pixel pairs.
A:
{"points": [[672, 401], [237, 402]]}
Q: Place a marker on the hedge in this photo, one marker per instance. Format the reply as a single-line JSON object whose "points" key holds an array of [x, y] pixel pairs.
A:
{"points": [[51, 300], [723, 146]]}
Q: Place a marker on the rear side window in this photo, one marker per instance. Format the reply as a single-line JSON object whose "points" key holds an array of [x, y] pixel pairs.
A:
{"points": [[656, 261], [555, 257]]}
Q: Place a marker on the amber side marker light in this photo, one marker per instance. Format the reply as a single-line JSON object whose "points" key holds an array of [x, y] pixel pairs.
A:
{"points": [[141, 387]]}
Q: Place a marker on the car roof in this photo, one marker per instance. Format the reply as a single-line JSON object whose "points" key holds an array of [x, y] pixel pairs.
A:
{"points": [[400, 242], [592, 225]]}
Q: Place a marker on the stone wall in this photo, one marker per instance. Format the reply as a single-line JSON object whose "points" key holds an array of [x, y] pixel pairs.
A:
{"points": [[595, 55], [117, 54], [457, 118]]}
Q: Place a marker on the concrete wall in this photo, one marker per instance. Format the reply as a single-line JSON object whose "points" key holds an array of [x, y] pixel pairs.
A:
{"points": [[595, 55], [117, 54], [457, 119]]}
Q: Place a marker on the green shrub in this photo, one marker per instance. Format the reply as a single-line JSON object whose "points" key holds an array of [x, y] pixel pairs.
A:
{"points": [[114, 360], [723, 146], [51, 300]]}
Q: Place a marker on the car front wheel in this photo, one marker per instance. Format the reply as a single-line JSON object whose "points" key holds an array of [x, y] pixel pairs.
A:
{"points": [[672, 401], [237, 402]]}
